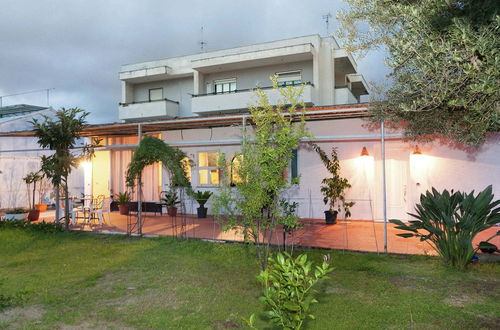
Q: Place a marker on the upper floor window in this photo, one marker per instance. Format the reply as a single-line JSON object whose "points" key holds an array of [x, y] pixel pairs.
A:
{"points": [[208, 170], [225, 85], [289, 78], [156, 94]]}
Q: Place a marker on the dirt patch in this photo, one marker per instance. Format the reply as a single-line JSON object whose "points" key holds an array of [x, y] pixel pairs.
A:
{"points": [[16, 316], [227, 324], [88, 325], [458, 301]]}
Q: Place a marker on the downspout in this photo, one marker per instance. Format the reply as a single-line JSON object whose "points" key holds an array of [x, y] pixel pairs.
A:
{"points": [[384, 183]]}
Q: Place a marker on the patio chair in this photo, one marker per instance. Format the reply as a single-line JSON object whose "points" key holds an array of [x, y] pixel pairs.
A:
{"points": [[73, 210], [98, 209]]}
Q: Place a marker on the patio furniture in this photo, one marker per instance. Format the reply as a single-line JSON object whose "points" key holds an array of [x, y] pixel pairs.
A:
{"points": [[152, 207], [98, 209]]}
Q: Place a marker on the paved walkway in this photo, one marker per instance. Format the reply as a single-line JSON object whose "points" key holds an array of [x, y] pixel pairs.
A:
{"points": [[356, 235]]}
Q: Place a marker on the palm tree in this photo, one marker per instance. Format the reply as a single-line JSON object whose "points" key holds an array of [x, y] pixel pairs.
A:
{"points": [[61, 134]]}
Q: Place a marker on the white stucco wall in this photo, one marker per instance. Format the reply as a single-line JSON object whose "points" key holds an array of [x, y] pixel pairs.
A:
{"points": [[16, 162], [407, 176]]}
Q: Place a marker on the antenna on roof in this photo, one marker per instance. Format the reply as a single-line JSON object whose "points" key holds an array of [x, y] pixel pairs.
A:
{"points": [[327, 21], [202, 42]]}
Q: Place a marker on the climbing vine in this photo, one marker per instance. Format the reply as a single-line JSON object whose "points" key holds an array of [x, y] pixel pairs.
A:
{"points": [[152, 150]]}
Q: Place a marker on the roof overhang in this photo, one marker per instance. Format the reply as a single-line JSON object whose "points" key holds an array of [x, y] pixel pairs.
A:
{"points": [[358, 84], [250, 59], [131, 128]]}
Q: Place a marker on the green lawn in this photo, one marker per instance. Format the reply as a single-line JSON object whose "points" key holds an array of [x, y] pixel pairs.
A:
{"points": [[77, 280]]}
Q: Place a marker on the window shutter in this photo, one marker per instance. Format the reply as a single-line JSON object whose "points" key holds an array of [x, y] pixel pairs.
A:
{"points": [[295, 168]]}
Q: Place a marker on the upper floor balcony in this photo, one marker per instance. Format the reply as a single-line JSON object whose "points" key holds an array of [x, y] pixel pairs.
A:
{"points": [[163, 108], [241, 99]]}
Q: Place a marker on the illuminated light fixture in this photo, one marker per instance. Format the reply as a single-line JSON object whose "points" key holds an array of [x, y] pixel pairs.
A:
{"points": [[417, 151], [364, 152]]}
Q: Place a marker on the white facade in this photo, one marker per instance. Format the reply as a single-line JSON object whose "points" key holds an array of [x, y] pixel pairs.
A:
{"points": [[330, 75], [21, 155]]}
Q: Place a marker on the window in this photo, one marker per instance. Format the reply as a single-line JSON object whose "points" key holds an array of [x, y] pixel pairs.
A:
{"points": [[225, 86], [235, 166], [208, 170], [156, 94], [289, 78]]}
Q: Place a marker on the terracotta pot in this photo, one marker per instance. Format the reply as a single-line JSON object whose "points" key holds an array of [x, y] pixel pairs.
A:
{"points": [[33, 215], [172, 211], [124, 209], [41, 207]]}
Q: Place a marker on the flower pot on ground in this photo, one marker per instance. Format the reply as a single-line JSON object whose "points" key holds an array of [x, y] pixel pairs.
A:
{"points": [[33, 178], [333, 188], [123, 200], [41, 207], [171, 200], [331, 217], [202, 198], [487, 247], [33, 215], [16, 214]]}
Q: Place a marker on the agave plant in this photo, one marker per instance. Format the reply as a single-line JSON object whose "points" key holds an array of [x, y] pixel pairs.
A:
{"points": [[449, 221]]}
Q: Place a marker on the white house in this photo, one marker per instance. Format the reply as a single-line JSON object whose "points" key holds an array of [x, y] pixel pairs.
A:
{"points": [[198, 103]]}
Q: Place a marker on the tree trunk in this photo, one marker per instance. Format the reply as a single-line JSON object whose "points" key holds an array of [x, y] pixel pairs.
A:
{"points": [[66, 206], [34, 189], [58, 200]]}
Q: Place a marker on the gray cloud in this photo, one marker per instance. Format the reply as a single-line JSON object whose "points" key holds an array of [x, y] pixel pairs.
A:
{"points": [[77, 47]]}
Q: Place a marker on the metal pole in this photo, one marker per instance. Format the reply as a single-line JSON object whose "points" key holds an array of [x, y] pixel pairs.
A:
{"points": [[384, 185], [139, 192]]}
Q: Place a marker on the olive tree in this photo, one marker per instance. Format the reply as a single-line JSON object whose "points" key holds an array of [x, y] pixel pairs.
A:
{"points": [[444, 59]]}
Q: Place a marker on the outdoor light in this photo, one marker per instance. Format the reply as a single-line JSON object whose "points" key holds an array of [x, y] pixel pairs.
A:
{"points": [[419, 166], [417, 151], [364, 152]]}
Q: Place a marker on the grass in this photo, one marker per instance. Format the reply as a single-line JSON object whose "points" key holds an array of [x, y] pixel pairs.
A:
{"points": [[65, 280]]}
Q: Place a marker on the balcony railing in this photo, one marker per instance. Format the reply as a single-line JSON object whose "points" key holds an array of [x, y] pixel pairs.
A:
{"points": [[163, 108], [241, 99]]}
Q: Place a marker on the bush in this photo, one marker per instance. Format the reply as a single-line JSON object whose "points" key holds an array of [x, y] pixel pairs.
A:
{"points": [[449, 221], [45, 227], [288, 289]]}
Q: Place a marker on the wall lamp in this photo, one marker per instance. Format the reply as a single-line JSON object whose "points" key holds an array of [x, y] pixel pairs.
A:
{"points": [[364, 152]]}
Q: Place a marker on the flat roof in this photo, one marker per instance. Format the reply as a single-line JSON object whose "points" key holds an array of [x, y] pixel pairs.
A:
{"points": [[19, 109], [155, 126]]}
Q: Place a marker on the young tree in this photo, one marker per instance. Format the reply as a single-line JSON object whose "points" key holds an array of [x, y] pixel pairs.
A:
{"points": [[255, 204], [61, 135], [444, 56]]}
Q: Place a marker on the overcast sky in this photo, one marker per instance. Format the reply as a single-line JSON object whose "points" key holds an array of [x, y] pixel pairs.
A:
{"points": [[76, 47]]}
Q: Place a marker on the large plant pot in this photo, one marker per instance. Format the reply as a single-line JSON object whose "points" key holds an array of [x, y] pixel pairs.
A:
{"points": [[172, 211], [124, 209], [202, 212], [331, 217], [41, 207], [15, 217], [33, 215]]}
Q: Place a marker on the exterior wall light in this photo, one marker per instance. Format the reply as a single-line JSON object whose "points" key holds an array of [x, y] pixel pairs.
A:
{"points": [[417, 151], [364, 152]]}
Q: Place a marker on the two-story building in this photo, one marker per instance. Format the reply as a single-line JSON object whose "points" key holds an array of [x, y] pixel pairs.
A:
{"points": [[199, 104]]}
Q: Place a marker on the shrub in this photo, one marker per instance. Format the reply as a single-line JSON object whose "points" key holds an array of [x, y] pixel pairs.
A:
{"points": [[45, 227], [449, 221], [288, 292]]}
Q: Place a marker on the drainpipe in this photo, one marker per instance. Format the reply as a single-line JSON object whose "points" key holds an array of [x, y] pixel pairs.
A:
{"points": [[139, 192], [384, 183]]}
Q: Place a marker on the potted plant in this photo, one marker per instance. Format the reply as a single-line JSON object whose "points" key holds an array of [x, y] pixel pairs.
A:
{"points": [[16, 214], [171, 200], [202, 197], [123, 200], [43, 187], [333, 187], [29, 179]]}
